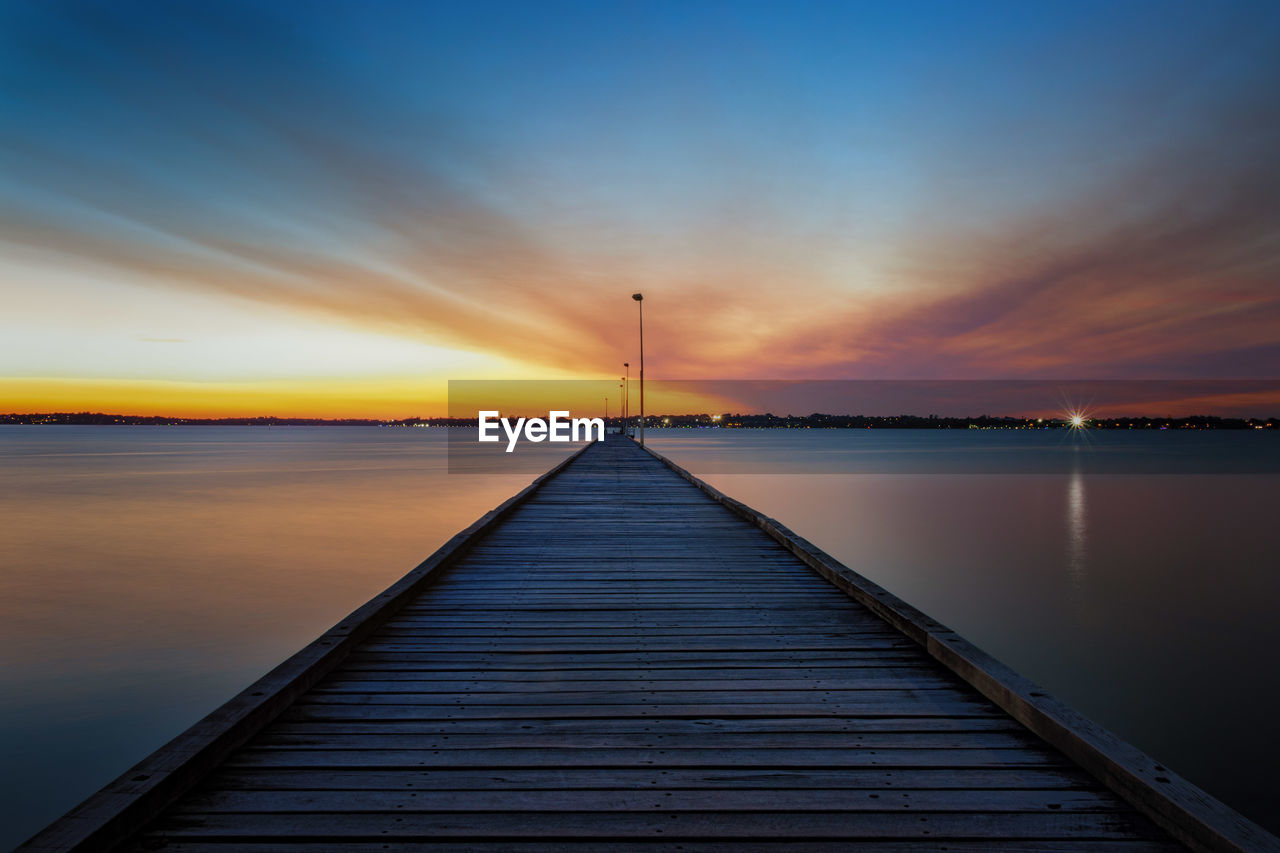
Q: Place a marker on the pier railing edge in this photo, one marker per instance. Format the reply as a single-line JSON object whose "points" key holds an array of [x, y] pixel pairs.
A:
{"points": [[1186, 812], [123, 806]]}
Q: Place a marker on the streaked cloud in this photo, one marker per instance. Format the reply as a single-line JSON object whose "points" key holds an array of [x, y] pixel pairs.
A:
{"points": [[826, 191]]}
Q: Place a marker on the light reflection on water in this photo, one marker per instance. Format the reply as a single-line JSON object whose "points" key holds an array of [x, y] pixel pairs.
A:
{"points": [[150, 573], [1077, 530]]}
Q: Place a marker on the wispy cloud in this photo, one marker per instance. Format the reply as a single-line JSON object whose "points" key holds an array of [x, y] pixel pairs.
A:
{"points": [[226, 150], [1171, 273]]}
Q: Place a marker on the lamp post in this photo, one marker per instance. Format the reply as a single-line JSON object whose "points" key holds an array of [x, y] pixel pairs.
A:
{"points": [[626, 396], [640, 304], [622, 397]]}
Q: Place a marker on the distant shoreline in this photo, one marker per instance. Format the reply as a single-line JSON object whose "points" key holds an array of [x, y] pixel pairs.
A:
{"points": [[699, 421]]}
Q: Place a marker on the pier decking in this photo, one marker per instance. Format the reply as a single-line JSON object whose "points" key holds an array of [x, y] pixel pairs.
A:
{"points": [[622, 658]]}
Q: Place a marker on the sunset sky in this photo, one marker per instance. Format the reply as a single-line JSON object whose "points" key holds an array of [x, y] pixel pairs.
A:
{"points": [[331, 208]]}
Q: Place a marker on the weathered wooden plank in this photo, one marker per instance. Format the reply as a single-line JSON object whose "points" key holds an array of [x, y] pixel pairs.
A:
{"points": [[610, 644], [494, 678], [709, 727], [778, 670], [745, 617], [888, 679], [641, 606], [639, 757], [622, 634], [873, 704], [693, 825], [645, 845], [613, 596], [883, 779], [637, 614], [938, 698], [649, 658], [427, 630], [723, 800], [348, 740]]}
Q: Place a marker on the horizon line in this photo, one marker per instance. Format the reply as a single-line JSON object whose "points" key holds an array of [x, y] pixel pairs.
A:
{"points": [[686, 420]]}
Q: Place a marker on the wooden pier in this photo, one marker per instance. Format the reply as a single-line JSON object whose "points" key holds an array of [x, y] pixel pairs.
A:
{"points": [[622, 658]]}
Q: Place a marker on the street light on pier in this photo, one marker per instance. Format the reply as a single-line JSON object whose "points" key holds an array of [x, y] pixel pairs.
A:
{"points": [[640, 304]]}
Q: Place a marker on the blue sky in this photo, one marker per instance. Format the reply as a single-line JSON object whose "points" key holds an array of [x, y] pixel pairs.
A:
{"points": [[935, 190]]}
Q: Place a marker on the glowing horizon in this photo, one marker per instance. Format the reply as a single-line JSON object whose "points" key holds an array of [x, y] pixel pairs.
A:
{"points": [[396, 398]]}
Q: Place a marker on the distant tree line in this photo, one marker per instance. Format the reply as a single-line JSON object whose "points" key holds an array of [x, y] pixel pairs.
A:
{"points": [[819, 420], [699, 421], [98, 418]]}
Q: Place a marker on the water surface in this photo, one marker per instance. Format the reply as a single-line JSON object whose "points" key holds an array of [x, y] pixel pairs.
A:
{"points": [[149, 573], [1133, 574]]}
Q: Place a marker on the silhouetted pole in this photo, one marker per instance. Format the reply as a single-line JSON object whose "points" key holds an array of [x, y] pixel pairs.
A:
{"points": [[622, 395], [640, 299], [627, 396]]}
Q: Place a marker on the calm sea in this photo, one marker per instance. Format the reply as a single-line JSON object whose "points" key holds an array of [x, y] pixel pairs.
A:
{"points": [[149, 573]]}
